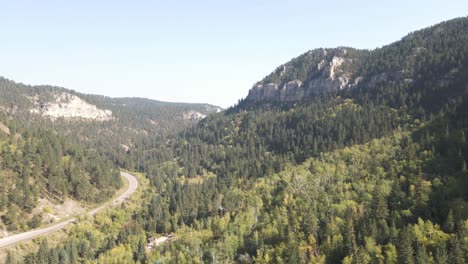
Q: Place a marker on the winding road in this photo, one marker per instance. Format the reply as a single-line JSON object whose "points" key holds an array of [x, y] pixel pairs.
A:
{"points": [[14, 239]]}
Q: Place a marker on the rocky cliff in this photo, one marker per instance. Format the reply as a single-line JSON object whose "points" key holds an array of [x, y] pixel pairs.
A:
{"points": [[69, 106], [326, 70], [312, 73]]}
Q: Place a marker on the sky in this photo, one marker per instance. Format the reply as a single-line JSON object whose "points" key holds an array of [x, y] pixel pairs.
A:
{"points": [[190, 51]]}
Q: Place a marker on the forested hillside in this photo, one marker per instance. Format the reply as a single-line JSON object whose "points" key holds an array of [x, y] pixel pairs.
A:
{"points": [[112, 125], [374, 172], [39, 164], [305, 181]]}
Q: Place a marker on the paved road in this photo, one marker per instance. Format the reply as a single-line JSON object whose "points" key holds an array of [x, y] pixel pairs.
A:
{"points": [[11, 240]]}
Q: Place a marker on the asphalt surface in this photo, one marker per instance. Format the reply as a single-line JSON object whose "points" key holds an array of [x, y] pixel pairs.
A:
{"points": [[14, 239]]}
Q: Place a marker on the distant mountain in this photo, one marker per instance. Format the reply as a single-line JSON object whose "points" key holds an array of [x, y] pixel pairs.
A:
{"points": [[68, 105], [113, 125]]}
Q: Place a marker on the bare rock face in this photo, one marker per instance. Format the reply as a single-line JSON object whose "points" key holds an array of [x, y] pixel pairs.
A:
{"points": [[292, 91], [327, 74], [332, 77], [193, 115], [264, 91], [69, 106]]}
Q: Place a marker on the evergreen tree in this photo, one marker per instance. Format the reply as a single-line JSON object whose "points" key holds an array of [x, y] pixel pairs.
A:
{"points": [[440, 255], [73, 252], [140, 254], [380, 208], [63, 256], [449, 224], [10, 258], [421, 255], [54, 256], [42, 255], [391, 255], [405, 252], [458, 254]]}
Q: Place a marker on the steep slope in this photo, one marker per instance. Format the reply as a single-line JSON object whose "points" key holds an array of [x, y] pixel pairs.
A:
{"points": [[315, 72], [68, 106]]}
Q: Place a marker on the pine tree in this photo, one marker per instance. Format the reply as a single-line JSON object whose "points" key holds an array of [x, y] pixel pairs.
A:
{"points": [[440, 255], [405, 252], [380, 207], [73, 252], [393, 236], [457, 256], [421, 255], [139, 254], [361, 257], [449, 224], [54, 256], [10, 259], [384, 232], [292, 252], [391, 255], [63, 256], [349, 238], [42, 255]]}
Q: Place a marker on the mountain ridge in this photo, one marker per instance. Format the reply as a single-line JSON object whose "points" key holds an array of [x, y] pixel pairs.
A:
{"points": [[45, 92], [115, 126], [322, 70]]}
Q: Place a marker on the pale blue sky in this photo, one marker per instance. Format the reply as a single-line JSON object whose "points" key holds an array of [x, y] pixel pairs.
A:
{"points": [[190, 51]]}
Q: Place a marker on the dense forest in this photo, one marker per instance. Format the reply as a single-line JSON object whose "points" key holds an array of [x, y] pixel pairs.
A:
{"points": [[36, 163], [133, 119], [376, 173]]}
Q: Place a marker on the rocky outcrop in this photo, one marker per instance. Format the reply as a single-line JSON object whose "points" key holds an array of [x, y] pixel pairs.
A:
{"points": [[213, 109], [327, 74], [69, 106], [264, 92], [193, 115], [292, 91], [322, 71]]}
